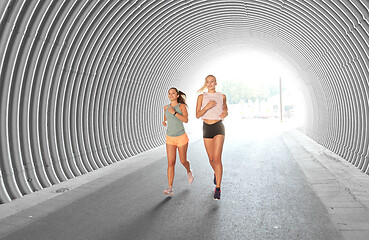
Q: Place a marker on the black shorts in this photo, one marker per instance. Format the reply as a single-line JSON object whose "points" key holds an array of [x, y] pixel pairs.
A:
{"points": [[211, 130]]}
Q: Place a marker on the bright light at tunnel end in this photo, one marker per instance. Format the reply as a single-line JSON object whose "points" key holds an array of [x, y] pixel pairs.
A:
{"points": [[260, 72]]}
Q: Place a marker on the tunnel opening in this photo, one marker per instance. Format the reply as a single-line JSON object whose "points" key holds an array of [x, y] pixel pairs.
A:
{"points": [[263, 90]]}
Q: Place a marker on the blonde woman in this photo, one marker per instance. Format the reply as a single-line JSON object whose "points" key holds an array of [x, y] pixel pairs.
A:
{"points": [[212, 109], [175, 114]]}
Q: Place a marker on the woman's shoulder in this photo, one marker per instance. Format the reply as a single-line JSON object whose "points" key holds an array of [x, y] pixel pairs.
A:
{"points": [[181, 105], [165, 107], [200, 97]]}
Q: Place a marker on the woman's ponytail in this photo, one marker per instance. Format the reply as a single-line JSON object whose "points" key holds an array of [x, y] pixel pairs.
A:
{"points": [[202, 88], [182, 98]]}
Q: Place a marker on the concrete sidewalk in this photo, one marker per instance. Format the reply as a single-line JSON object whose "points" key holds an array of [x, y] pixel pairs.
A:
{"points": [[342, 188], [278, 186]]}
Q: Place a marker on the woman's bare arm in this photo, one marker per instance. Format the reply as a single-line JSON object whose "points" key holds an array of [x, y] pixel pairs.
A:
{"points": [[200, 112], [165, 117], [184, 116], [225, 108]]}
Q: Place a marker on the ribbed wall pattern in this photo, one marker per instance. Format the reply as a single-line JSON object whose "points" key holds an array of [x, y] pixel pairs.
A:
{"points": [[83, 83]]}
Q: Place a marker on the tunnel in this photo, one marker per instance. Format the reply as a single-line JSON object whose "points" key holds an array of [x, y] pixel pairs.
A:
{"points": [[83, 83]]}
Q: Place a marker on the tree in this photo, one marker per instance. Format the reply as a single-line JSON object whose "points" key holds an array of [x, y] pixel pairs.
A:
{"points": [[238, 91]]}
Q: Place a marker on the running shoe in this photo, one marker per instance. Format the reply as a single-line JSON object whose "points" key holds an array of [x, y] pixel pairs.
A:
{"points": [[168, 191], [190, 177], [217, 194], [215, 180]]}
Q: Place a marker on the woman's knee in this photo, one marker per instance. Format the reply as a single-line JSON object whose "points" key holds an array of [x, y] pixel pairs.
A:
{"points": [[171, 163], [217, 161], [184, 161]]}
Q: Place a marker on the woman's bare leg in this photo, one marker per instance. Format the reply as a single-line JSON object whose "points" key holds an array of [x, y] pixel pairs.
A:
{"points": [[182, 150], [209, 146], [171, 155], [217, 158]]}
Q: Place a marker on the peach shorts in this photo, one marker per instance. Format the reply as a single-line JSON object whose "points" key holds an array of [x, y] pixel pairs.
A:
{"points": [[177, 141]]}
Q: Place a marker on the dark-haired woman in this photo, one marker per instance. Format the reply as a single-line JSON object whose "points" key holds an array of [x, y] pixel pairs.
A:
{"points": [[212, 109], [175, 114]]}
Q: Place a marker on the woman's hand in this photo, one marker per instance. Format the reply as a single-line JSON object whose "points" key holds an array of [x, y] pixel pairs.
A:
{"points": [[165, 117], [171, 110], [210, 104], [223, 115]]}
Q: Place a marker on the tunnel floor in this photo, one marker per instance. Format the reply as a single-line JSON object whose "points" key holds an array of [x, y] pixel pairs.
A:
{"points": [[273, 187]]}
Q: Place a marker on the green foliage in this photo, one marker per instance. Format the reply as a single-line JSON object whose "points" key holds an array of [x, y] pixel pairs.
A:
{"points": [[240, 91]]}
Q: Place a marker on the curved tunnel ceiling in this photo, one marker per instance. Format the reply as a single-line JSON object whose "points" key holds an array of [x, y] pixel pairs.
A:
{"points": [[83, 83]]}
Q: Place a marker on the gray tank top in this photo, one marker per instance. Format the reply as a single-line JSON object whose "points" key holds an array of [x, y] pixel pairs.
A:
{"points": [[175, 126]]}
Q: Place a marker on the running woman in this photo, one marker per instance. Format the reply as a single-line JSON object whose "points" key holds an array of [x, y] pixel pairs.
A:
{"points": [[175, 114], [212, 109]]}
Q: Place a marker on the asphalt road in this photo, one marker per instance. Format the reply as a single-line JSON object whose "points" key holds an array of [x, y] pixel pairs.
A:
{"points": [[264, 196]]}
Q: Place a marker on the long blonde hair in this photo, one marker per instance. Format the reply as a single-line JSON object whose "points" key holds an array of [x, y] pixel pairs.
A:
{"points": [[204, 86]]}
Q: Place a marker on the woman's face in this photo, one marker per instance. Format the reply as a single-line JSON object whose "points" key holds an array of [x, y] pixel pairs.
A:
{"points": [[211, 83], [172, 94]]}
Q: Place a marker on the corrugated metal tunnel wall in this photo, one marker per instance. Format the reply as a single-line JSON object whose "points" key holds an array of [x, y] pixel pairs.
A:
{"points": [[83, 82]]}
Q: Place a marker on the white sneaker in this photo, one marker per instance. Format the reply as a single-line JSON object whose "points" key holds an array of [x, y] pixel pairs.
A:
{"points": [[190, 177], [168, 191]]}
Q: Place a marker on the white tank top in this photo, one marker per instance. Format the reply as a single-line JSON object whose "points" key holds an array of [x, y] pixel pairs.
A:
{"points": [[214, 112]]}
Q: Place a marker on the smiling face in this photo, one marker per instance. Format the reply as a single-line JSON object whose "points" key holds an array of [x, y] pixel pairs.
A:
{"points": [[172, 95], [210, 82]]}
